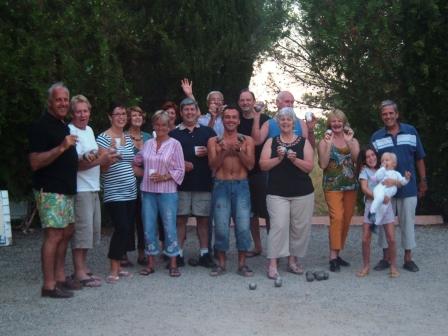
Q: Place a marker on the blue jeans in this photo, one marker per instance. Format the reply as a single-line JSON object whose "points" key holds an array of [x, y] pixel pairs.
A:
{"points": [[166, 205], [231, 199]]}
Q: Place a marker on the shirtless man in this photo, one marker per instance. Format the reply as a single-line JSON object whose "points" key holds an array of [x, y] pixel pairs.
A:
{"points": [[231, 157]]}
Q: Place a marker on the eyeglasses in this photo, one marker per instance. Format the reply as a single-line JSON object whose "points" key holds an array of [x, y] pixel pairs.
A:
{"points": [[118, 114]]}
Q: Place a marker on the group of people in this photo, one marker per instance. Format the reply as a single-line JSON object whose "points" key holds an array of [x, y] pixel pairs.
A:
{"points": [[233, 163]]}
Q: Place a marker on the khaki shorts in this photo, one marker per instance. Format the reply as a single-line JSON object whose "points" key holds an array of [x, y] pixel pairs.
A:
{"points": [[87, 220], [56, 211], [194, 203]]}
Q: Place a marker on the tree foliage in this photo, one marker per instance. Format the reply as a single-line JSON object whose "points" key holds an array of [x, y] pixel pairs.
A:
{"points": [[356, 53], [135, 50]]}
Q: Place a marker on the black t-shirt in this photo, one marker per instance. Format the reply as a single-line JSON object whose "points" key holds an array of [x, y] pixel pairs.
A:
{"points": [[245, 128], [286, 179], [200, 178], [60, 176]]}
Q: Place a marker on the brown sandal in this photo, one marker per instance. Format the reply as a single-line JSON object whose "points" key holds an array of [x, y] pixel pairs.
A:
{"points": [[394, 274], [362, 273], [174, 272]]}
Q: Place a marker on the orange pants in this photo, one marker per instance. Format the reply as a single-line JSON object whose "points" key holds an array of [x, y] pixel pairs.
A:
{"points": [[341, 205]]}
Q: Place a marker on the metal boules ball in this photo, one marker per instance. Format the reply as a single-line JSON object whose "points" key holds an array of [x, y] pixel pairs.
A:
{"points": [[309, 275], [319, 275], [252, 286], [278, 282]]}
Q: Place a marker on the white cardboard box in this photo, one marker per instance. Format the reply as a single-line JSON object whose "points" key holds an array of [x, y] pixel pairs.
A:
{"points": [[5, 220]]}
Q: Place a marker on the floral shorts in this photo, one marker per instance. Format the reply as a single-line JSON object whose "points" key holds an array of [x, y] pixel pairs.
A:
{"points": [[56, 211]]}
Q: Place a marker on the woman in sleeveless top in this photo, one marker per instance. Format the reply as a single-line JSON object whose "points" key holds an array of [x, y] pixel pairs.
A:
{"points": [[338, 151], [290, 200]]}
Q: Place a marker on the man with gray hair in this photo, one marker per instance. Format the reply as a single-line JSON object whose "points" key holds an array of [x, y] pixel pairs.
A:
{"points": [[215, 102], [403, 140], [195, 190], [270, 127], [54, 163], [213, 118]]}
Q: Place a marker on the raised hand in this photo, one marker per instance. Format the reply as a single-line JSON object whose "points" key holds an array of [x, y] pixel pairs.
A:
{"points": [[348, 134], [187, 87]]}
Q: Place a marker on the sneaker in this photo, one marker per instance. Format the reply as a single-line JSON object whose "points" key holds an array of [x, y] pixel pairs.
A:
{"points": [[56, 293], [334, 266], [206, 261], [342, 262], [382, 265], [410, 266]]}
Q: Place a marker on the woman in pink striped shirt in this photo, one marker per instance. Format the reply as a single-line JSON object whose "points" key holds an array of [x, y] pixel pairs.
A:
{"points": [[161, 163]]}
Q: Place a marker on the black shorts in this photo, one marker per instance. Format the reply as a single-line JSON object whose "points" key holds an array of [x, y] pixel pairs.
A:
{"points": [[258, 183]]}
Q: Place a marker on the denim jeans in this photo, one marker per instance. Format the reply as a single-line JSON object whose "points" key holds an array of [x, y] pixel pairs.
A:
{"points": [[164, 204], [231, 199]]}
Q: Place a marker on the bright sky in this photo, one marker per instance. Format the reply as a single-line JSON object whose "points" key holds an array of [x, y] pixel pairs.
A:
{"points": [[268, 79]]}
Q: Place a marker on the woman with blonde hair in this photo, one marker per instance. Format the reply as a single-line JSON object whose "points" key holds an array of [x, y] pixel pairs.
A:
{"points": [[290, 201], [161, 163], [338, 151]]}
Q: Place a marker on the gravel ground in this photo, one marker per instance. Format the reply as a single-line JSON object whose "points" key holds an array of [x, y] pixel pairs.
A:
{"points": [[197, 304]]}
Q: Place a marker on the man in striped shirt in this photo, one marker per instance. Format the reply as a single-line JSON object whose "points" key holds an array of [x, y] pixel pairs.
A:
{"points": [[403, 140]]}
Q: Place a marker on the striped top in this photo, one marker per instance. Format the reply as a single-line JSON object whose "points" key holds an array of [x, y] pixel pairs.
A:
{"points": [[118, 182], [169, 159]]}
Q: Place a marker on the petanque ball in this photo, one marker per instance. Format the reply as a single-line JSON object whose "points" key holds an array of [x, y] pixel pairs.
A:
{"points": [[252, 286]]}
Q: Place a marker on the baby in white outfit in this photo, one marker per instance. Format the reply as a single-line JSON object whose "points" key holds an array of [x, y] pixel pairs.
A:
{"points": [[387, 171]]}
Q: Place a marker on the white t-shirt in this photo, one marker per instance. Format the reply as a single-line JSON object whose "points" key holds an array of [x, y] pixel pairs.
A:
{"points": [[89, 179]]}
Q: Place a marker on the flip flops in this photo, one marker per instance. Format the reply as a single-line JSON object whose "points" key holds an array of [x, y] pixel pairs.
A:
{"points": [[112, 279], [245, 271], [90, 282], [147, 271], [362, 273], [174, 272], [217, 271], [294, 268]]}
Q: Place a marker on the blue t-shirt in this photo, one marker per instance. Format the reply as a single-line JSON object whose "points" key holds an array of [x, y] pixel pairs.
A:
{"points": [[274, 130], [200, 178], [407, 147]]}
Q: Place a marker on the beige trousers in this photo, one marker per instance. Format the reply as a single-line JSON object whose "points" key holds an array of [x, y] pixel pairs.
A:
{"points": [[290, 225]]}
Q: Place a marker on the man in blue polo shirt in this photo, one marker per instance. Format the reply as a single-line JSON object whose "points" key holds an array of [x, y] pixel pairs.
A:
{"points": [[403, 140], [195, 190]]}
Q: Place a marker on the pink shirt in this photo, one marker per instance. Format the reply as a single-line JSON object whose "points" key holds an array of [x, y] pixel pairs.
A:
{"points": [[169, 159]]}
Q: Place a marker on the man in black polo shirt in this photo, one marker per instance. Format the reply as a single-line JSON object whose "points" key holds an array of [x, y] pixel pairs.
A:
{"points": [[257, 178], [54, 163], [195, 190]]}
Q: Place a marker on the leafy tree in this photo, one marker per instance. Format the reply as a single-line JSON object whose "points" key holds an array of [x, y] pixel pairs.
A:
{"points": [[136, 50], [214, 43], [44, 42], [358, 53]]}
